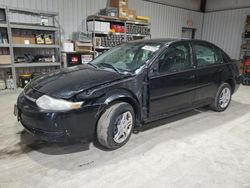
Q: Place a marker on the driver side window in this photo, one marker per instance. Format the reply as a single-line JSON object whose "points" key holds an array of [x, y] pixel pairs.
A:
{"points": [[177, 58]]}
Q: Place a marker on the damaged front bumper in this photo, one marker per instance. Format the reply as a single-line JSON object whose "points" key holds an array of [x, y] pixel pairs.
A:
{"points": [[57, 126]]}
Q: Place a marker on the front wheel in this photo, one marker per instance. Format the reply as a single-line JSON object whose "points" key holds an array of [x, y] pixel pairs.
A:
{"points": [[222, 98], [115, 125]]}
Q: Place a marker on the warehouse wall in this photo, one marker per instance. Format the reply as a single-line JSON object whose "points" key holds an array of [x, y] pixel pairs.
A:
{"points": [[166, 21], [225, 29], [187, 4], [213, 5]]}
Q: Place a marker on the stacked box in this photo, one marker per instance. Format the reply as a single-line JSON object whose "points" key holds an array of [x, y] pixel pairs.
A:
{"points": [[83, 47], [5, 59], [99, 26], [122, 7], [131, 14]]}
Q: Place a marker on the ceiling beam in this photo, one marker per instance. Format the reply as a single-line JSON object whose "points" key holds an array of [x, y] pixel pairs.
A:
{"points": [[203, 4]]}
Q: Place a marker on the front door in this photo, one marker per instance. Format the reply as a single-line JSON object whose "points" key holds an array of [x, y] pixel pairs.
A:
{"points": [[172, 84]]}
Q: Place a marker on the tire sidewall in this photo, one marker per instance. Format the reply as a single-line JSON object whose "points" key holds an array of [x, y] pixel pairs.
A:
{"points": [[218, 106], [123, 107]]}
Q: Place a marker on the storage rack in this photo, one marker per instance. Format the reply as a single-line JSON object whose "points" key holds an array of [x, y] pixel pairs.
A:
{"points": [[93, 33], [245, 52], [13, 48]]}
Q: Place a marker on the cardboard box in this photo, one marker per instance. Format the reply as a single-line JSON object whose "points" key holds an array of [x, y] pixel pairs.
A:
{"points": [[16, 37], [122, 6], [83, 47], [27, 36], [118, 3], [248, 20], [86, 58], [123, 12], [5, 59], [105, 27], [131, 14], [67, 46], [95, 24], [23, 37]]}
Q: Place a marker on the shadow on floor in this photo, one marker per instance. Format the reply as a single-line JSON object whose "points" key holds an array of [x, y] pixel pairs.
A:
{"points": [[82, 156], [29, 143]]}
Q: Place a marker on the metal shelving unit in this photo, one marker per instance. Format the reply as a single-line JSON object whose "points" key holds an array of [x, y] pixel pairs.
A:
{"points": [[35, 46], [32, 27], [4, 45], [3, 25], [14, 48], [5, 66], [245, 40], [37, 64], [93, 33]]}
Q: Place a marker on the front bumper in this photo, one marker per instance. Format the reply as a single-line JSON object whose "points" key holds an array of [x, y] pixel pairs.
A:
{"points": [[57, 126]]}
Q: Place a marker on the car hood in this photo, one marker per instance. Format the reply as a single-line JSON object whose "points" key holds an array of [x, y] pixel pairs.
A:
{"points": [[68, 82]]}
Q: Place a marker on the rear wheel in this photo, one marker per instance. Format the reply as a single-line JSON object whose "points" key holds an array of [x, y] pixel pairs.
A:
{"points": [[115, 125], [222, 98]]}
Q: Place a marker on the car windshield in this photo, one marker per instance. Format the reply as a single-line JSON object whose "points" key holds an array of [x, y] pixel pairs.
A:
{"points": [[128, 57]]}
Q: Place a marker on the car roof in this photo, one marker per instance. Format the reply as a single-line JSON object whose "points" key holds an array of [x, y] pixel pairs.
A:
{"points": [[166, 40]]}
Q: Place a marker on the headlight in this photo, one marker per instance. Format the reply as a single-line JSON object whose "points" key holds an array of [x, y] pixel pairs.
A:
{"points": [[48, 103]]}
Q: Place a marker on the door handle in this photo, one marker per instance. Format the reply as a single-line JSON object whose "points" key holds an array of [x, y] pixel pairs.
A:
{"points": [[218, 71], [191, 77]]}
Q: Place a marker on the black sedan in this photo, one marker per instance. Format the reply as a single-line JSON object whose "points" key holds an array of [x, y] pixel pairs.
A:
{"points": [[126, 87]]}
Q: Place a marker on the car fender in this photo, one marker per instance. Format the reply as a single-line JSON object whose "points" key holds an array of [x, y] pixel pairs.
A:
{"points": [[120, 95]]}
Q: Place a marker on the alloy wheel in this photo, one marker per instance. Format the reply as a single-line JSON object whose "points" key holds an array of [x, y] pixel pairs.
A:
{"points": [[225, 97], [123, 127]]}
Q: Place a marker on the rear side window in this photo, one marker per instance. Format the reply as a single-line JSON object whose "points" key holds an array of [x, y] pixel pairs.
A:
{"points": [[226, 58], [206, 55]]}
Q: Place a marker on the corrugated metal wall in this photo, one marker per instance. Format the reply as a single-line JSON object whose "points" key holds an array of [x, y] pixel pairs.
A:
{"points": [[213, 5], [187, 4], [166, 21], [225, 29]]}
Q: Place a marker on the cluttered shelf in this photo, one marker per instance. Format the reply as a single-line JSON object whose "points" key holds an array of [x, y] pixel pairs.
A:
{"points": [[36, 46], [245, 50], [116, 24], [5, 66], [102, 48], [37, 64], [2, 45], [28, 49], [105, 18], [141, 20], [15, 25], [4, 25], [107, 33]]}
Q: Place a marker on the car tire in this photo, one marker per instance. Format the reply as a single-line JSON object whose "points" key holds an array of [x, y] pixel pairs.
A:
{"points": [[115, 125], [222, 98]]}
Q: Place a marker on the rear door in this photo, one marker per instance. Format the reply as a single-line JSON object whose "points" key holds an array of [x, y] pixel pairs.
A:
{"points": [[172, 80], [209, 64]]}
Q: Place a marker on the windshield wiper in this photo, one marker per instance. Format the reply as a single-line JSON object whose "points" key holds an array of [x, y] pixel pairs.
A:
{"points": [[109, 66], [92, 65]]}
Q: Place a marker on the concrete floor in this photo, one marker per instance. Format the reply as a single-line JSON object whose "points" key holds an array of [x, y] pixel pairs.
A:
{"points": [[197, 149]]}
